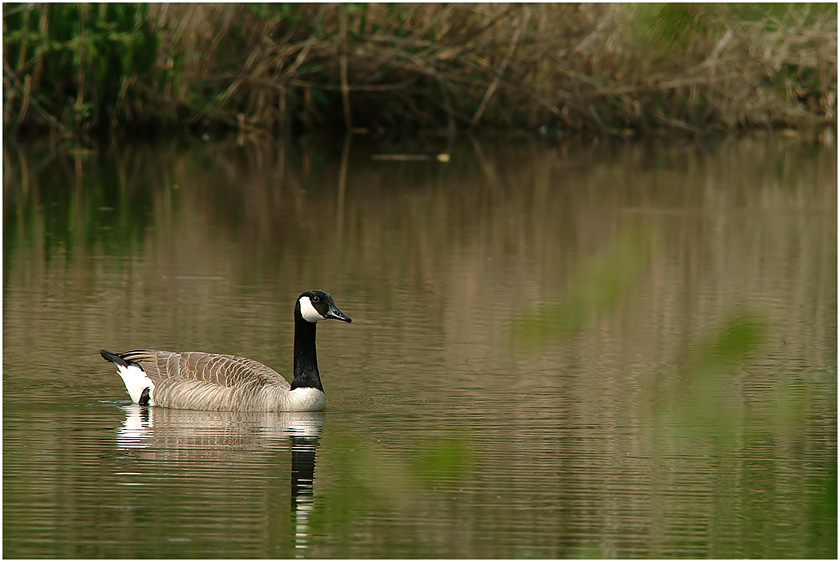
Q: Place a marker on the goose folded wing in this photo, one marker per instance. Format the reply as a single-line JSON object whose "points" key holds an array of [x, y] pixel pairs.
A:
{"points": [[207, 368]]}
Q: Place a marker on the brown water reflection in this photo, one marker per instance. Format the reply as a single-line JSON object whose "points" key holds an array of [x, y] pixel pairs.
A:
{"points": [[598, 350]]}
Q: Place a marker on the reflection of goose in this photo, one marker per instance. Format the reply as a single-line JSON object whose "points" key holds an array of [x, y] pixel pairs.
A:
{"points": [[206, 381], [171, 435], [303, 487], [136, 427]]}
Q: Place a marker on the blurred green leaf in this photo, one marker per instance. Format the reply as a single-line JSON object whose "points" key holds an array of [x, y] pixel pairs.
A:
{"points": [[706, 391], [597, 286], [443, 458], [729, 345]]}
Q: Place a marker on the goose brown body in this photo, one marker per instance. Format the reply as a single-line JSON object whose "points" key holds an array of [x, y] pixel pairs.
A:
{"points": [[210, 381]]}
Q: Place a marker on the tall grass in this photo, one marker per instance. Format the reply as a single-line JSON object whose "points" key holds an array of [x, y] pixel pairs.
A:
{"points": [[626, 68]]}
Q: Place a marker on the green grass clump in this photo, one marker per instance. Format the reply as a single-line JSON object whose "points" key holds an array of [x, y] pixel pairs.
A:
{"points": [[77, 65]]}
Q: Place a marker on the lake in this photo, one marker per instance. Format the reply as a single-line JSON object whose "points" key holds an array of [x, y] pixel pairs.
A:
{"points": [[576, 349]]}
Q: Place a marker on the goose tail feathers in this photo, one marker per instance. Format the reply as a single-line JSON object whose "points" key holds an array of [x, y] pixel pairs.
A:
{"points": [[139, 386], [113, 357]]}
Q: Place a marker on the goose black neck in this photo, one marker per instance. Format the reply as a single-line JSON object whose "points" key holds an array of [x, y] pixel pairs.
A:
{"points": [[306, 364]]}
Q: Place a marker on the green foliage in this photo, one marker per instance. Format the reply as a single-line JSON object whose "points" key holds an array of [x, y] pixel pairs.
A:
{"points": [[80, 58], [274, 12], [665, 32]]}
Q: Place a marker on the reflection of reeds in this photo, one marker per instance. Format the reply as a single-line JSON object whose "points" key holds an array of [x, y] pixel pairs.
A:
{"points": [[514, 230], [608, 68]]}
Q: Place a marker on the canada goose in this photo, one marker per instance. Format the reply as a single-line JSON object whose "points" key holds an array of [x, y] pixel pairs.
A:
{"points": [[208, 381]]}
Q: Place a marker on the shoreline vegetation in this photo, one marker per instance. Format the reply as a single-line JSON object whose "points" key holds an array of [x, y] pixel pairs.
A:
{"points": [[87, 70]]}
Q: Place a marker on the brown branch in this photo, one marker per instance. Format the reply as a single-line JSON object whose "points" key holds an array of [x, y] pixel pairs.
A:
{"points": [[523, 20], [345, 91], [37, 106]]}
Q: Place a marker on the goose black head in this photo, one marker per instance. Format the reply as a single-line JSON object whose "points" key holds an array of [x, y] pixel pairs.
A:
{"points": [[315, 305]]}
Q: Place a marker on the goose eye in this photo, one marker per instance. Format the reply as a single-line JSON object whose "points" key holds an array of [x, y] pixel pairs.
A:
{"points": [[315, 299]]}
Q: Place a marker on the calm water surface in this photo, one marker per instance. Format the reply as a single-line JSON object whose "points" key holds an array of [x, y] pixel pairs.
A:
{"points": [[561, 351]]}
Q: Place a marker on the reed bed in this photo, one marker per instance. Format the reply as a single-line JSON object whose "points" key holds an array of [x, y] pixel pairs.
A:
{"points": [[558, 68]]}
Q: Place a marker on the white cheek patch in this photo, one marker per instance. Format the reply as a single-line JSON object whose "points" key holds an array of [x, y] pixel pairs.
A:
{"points": [[308, 311]]}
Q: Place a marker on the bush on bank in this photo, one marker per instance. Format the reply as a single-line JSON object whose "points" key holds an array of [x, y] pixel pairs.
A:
{"points": [[627, 68]]}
